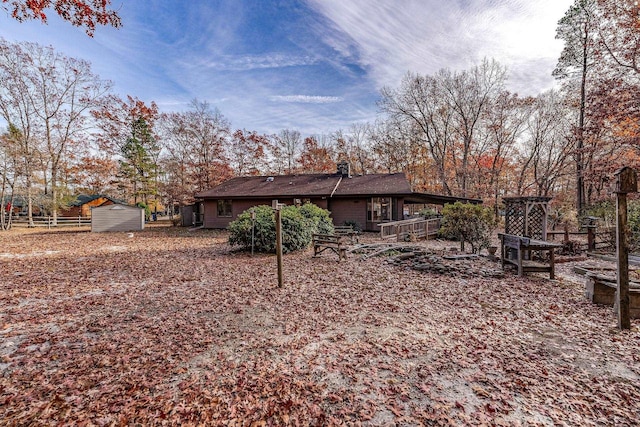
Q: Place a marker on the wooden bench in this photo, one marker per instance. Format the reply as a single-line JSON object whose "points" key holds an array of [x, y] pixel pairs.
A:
{"points": [[517, 250], [335, 243], [346, 230]]}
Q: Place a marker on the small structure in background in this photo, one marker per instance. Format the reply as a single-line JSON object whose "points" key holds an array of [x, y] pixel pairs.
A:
{"points": [[83, 204], [117, 218], [192, 215], [526, 216]]}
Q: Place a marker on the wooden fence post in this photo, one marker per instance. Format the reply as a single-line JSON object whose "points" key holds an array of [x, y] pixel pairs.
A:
{"points": [[591, 238], [277, 206], [626, 182]]}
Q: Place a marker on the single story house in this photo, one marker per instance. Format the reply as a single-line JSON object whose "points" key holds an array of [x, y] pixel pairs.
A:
{"points": [[366, 200], [83, 204], [18, 205]]}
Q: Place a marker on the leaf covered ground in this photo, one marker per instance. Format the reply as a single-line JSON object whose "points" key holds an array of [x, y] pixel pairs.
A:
{"points": [[171, 327]]}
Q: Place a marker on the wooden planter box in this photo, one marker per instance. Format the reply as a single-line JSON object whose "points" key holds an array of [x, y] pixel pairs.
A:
{"points": [[601, 289]]}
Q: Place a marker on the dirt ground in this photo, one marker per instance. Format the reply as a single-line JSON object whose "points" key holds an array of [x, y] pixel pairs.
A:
{"points": [[171, 327]]}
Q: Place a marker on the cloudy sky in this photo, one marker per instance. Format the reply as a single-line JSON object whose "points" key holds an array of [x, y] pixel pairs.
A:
{"points": [[311, 65]]}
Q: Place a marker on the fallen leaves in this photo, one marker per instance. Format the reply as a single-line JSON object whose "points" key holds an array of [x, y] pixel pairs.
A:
{"points": [[174, 329]]}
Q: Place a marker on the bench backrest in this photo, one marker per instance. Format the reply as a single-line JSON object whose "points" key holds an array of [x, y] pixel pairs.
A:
{"points": [[513, 241], [326, 238]]}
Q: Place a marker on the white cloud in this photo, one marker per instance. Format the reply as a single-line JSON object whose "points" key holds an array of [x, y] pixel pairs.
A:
{"points": [[306, 99], [391, 38], [253, 62]]}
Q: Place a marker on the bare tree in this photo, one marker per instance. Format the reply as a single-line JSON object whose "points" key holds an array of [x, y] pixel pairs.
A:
{"points": [[195, 141], [360, 141], [65, 91], [468, 95], [289, 143], [547, 147], [391, 145], [447, 109], [9, 173], [504, 122], [18, 110], [578, 30], [418, 103]]}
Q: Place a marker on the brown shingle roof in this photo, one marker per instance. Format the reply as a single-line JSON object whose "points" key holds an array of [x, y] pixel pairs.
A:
{"points": [[309, 185], [395, 184]]}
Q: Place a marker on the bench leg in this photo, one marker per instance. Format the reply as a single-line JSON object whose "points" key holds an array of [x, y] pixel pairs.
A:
{"points": [[520, 260]]}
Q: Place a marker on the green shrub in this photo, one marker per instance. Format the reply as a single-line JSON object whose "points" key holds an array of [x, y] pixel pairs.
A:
{"points": [[147, 210], [468, 223], [264, 233], [298, 226], [320, 217], [428, 213], [606, 210]]}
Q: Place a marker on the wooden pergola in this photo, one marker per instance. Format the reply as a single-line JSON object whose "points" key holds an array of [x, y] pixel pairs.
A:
{"points": [[526, 216]]}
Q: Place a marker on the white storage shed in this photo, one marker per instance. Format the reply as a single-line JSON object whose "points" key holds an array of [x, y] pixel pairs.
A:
{"points": [[117, 218]]}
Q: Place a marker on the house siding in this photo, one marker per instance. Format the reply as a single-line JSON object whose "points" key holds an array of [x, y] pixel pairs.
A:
{"points": [[355, 209], [343, 210], [212, 220]]}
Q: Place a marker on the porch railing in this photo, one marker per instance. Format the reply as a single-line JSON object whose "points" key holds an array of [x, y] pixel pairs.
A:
{"points": [[407, 229]]}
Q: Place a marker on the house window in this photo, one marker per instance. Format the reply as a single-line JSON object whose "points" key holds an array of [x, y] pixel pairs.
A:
{"points": [[379, 209], [224, 207]]}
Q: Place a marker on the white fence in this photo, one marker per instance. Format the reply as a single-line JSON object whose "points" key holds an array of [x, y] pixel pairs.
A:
{"points": [[48, 222], [410, 229]]}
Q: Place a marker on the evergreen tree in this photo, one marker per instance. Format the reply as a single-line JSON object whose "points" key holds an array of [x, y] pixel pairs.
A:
{"points": [[577, 30], [139, 165]]}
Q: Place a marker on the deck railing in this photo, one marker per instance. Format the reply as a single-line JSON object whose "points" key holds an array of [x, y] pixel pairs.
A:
{"points": [[416, 228]]}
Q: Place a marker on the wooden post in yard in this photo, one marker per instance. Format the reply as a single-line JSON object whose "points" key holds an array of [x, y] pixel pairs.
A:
{"points": [[253, 230], [277, 207], [591, 238], [626, 182]]}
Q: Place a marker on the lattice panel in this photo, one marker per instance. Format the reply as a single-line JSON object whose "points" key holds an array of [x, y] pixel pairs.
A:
{"points": [[526, 216], [536, 222], [515, 219]]}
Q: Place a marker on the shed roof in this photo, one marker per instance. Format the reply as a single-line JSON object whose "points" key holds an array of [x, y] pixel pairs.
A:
{"points": [[116, 207]]}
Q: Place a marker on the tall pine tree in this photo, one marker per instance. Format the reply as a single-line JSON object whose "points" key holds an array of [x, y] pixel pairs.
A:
{"points": [[139, 164], [577, 30]]}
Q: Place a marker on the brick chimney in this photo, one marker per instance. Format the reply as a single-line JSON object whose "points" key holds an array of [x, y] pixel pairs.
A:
{"points": [[344, 169]]}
